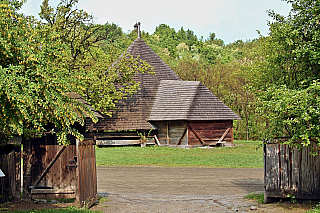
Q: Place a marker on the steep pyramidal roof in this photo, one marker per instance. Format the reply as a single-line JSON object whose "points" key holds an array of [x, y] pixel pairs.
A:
{"points": [[188, 100], [133, 113]]}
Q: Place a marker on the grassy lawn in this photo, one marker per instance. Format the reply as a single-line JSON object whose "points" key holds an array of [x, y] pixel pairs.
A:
{"points": [[244, 155]]}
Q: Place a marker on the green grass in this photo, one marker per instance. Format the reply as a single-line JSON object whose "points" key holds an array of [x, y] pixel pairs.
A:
{"points": [[258, 197], [315, 209], [244, 155]]}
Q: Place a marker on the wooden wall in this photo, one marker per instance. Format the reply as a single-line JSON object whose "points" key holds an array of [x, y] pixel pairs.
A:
{"points": [[172, 132], [289, 171], [210, 132]]}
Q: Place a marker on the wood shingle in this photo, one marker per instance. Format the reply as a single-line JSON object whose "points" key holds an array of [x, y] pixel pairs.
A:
{"points": [[133, 112], [188, 100]]}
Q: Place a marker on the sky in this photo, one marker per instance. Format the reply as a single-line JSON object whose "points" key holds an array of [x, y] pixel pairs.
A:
{"points": [[230, 20]]}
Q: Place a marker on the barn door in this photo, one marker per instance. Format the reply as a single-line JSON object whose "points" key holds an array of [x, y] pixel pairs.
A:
{"points": [[87, 175], [48, 169]]}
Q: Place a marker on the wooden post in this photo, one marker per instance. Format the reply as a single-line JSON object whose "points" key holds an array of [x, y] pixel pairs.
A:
{"points": [[27, 168], [143, 139], [168, 142], [231, 134]]}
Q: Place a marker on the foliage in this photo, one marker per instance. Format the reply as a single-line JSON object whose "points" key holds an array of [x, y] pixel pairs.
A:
{"points": [[293, 113], [295, 42], [315, 209], [33, 91], [289, 96], [258, 197], [42, 62], [244, 155]]}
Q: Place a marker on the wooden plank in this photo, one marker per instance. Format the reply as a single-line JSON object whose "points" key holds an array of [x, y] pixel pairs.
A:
{"points": [[27, 167], [52, 191], [87, 175], [168, 140], [196, 134], [116, 135], [117, 142], [224, 135], [184, 132], [290, 171], [210, 125], [48, 167], [157, 140]]}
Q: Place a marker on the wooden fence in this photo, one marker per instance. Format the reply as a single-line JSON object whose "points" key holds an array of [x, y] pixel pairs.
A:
{"points": [[10, 185], [291, 172]]}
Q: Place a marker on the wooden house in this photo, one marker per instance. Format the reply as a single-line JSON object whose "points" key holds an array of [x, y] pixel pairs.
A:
{"points": [[186, 113], [131, 116], [130, 120]]}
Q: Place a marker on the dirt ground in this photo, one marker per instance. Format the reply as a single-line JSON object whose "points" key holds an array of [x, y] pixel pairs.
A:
{"points": [[155, 189]]}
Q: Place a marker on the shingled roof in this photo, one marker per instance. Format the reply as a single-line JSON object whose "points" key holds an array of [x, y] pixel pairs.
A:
{"points": [[188, 100], [133, 112]]}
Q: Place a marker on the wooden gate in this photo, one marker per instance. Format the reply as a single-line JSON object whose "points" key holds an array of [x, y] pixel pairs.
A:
{"points": [[45, 177], [87, 175], [52, 171], [291, 172]]}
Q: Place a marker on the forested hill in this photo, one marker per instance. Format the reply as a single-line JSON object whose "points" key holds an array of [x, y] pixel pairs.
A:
{"points": [[215, 64], [271, 82]]}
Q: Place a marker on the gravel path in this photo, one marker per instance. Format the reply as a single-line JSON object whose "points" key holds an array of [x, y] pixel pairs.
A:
{"points": [[157, 189]]}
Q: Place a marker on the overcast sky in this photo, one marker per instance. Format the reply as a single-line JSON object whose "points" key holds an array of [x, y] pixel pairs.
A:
{"points": [[230, 20]]}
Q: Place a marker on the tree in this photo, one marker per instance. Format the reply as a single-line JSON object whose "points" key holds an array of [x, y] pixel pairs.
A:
{"points": [[293, 113], [213, 40], [290, 100], [41, 62], [295, 43], [168, 38]]}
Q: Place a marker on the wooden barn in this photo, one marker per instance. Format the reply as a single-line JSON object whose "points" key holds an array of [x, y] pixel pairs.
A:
{"points": [[186, 113], [132, 114], [205, 116]]}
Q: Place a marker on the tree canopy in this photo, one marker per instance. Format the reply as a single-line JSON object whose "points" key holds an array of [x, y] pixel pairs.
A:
{"points": [[290, 101], [42, 61], [271, 82]]}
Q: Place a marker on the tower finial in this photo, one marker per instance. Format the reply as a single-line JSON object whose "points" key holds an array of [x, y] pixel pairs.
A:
{"points": [[137, 28]]}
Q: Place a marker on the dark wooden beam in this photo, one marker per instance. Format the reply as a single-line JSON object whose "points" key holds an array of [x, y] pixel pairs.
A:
{"points": [[196, 134], [168, 142], [52, 191]]}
